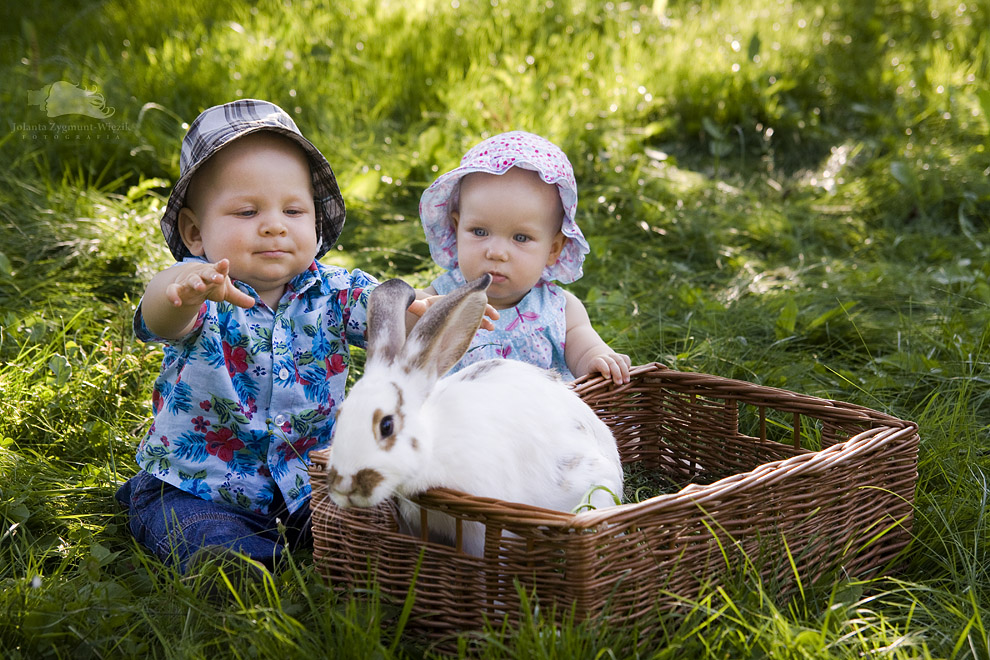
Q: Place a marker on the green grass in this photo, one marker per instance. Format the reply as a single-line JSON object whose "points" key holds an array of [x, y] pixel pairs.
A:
{"points": [[792, 193]]}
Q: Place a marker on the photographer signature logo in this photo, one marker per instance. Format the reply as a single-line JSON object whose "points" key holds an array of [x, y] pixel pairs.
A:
{"points": [[64, 98]]}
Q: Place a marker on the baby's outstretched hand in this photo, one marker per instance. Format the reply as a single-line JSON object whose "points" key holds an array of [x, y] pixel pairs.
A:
{"points": [[206, 281], [612, 365]]}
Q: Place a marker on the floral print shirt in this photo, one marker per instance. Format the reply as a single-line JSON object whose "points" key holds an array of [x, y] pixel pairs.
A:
{"points": [[533, 331], [243, 399]]}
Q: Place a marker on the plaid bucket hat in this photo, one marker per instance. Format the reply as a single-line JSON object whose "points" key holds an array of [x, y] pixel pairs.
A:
{"points": [[220, 125], [497, 155]]}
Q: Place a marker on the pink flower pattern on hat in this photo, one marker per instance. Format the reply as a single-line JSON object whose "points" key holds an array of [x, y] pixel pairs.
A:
{"points": [[497, 155]]}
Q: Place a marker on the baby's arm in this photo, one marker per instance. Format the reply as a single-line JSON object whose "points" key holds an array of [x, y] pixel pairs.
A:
{"points": [[585, 351], [174, 296]]}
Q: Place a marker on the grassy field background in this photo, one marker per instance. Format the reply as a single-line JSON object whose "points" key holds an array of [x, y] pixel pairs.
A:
{"points": [[792, 193]]}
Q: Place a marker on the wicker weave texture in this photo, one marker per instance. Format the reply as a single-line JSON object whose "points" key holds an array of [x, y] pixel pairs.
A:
{"points": [[771, 478]]}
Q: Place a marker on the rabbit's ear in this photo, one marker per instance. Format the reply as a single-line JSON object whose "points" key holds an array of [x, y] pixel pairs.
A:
{"points": [[387, 306], [445, 332]]}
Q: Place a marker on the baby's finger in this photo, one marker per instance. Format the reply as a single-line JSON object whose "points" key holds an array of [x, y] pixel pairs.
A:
{"points": [[491, 314], [419, 307], [625, 365], [184, 292], [172, 295], [614, 369], [237, 297], [600, 366]]}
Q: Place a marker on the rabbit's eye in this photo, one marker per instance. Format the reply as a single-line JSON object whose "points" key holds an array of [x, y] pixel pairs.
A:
{"points": [[385, 427]]}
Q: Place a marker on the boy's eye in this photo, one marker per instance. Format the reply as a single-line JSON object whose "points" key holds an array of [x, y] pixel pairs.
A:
{"points": [[477, 231], [521, 238], [246, 213]]}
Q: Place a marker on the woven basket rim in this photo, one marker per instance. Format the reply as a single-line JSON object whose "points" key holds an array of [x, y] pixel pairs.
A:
{"points": [[770, 396]]}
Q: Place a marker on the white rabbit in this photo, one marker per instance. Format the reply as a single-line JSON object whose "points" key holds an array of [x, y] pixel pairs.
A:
{"points": [[502, 428]]}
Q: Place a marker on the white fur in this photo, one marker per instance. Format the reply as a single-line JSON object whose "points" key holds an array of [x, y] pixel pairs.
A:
{"points": [[502, 429]]}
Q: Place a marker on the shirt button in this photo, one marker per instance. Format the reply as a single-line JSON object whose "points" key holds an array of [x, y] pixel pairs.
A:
{"points": [[280, 419], [283, 374]]}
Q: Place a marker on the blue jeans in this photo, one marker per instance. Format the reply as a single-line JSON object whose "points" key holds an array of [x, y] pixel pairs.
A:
{"points": [[174, 524]]}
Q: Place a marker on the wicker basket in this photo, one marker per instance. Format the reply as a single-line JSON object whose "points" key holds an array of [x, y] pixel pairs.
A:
{"points": [[794, 482]]}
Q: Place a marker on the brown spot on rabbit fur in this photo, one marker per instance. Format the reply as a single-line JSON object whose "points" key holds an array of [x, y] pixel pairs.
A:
{"points": [[480, 369], [566, 465], [365, 481]]}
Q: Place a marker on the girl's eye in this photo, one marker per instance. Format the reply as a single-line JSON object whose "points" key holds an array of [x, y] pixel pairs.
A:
{"points": [[293, 212], [479, 232], [521, 238], [246, 213]]}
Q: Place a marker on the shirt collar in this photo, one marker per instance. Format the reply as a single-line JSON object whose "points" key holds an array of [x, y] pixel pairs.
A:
{"points": [[305, 280]]}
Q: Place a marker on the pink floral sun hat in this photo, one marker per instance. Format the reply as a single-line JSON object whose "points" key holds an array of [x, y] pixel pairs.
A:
{"points": [[497, 155]]}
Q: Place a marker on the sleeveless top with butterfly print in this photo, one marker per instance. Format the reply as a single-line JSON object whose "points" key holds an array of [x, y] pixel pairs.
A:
{"points": [[533, 331]]}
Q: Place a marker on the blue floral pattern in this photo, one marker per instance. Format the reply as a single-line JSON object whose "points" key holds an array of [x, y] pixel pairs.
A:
{"points": [[243, 399]]}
